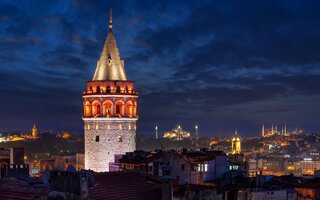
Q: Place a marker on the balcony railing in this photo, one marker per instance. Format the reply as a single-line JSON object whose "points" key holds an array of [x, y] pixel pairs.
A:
{"points": [[123, 92], [111, 116]]}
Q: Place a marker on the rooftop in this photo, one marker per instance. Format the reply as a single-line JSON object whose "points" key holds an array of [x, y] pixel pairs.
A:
{"points": [[124, 185]]}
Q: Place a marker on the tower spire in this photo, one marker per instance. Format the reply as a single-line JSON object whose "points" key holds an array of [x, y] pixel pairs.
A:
{"points": [[110, 19], [236, 132], [110, 66]]}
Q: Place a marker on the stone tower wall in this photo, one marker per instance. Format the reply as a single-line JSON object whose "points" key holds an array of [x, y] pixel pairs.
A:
{"points": [[98, 154]]}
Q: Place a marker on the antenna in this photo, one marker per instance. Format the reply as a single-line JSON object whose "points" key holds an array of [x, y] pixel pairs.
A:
{"points": [[110, 19]]}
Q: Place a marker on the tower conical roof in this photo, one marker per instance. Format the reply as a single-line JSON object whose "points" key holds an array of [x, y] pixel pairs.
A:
{"points": [[110, 66]]}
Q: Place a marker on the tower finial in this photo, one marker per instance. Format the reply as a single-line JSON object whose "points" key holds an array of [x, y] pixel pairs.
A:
{"points": [[110, 20], [236, 132]]}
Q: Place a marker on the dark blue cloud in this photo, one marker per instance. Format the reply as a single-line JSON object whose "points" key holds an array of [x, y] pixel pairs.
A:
{"points": [[216, 63]]}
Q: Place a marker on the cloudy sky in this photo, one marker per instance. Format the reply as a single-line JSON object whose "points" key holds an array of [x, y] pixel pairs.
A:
{"points": [[221, 64]]}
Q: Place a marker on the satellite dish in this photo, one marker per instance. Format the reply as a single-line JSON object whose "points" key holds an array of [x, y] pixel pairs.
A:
{"points": [[46, 177], [71, 169]]}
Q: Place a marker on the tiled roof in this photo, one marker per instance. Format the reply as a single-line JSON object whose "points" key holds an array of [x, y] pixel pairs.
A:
{"points": [[200, 156], [13, 189], [124, 185], [313, 183], [141, 160]]}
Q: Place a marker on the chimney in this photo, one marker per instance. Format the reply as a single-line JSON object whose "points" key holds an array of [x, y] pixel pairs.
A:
{"points": [[166, 180]]}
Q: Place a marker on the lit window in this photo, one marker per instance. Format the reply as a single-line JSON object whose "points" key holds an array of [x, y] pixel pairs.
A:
{"points": [[120, 127], [108, 127], [205, 167], [88, 126], [97, 126], [97, 138], [120, 139]]}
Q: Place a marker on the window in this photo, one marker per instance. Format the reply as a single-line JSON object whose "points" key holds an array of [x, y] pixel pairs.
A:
{"points": [[98, 109], [182, 167], [118, 107], [97, 138], [120, 139], [118, 89], [108, 109]]}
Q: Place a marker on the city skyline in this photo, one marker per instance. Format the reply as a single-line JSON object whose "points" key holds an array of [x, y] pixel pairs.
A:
{"points": [[217, 65]]}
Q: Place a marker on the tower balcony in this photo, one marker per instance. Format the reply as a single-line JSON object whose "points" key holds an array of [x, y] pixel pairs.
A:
{"points": [[115, 92], [111, 117]]}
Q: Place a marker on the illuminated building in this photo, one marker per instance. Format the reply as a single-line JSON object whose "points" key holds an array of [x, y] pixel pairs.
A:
{"points": [[21, 136], [34, 131], [305, 167], [236, 144], [109, 109], [177, 134], [274, 131]]}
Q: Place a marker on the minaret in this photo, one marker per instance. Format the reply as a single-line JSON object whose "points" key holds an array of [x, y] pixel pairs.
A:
{"points": [[156, 131], [196, 127], [272, 130], [179, 132], [34, 131], [110, 109], [236, 143], [262, 130], [285, 129]]}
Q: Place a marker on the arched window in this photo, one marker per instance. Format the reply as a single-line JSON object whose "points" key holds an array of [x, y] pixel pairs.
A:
{"points": [[98, 89], [118, 89], [107, 108], [96, 108], [134, 110], [129, 108], [108, 89], [97, 138], [120, 139], [87, 109], [119, 108]]}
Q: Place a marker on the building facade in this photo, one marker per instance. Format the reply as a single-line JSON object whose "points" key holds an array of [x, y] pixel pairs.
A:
{"points": [[110, 105]]}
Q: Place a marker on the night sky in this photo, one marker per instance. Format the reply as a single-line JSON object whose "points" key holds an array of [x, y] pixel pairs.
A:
{"points": [[221, 64]]}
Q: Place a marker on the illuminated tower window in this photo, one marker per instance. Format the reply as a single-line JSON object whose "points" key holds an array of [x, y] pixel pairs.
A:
{"points": [[120, 127], [108, 127], [97, 126], [120, 139]]}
